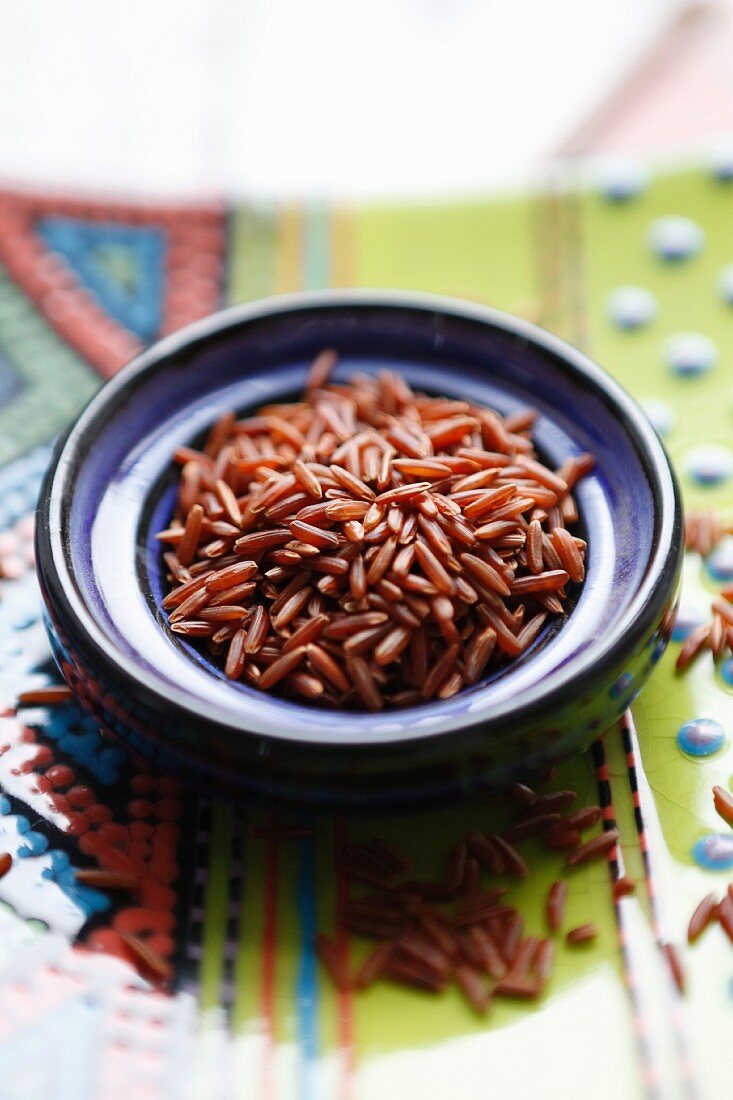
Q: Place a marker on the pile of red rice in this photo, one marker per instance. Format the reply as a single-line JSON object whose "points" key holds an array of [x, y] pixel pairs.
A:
{"points": [[369, 546], [461, 928]]}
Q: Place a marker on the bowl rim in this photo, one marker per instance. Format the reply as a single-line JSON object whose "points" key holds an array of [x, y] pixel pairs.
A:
{"points": [[644, 608]]}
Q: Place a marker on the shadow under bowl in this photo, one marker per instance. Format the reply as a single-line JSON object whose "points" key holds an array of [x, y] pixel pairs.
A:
{"points": [[111, 486]]}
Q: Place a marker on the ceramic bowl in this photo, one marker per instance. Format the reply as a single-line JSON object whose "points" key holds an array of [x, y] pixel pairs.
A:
{"points": [[111, 485]]}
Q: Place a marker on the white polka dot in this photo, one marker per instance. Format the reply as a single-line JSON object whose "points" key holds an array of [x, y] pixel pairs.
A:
{"points": [[690, 353], [631, 307], [721, 161], [725, 284], [620, 180], [710, 464], [660, 413], [675, 238]]}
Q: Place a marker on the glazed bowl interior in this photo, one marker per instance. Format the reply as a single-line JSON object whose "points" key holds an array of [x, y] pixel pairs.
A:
{"points": [[113, 487]]}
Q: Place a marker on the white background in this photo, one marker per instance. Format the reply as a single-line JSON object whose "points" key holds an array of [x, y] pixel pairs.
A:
{"points": [[303, 97]]}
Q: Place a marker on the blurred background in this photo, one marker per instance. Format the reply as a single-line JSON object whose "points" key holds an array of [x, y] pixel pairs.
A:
{"points": [[284, 98]]}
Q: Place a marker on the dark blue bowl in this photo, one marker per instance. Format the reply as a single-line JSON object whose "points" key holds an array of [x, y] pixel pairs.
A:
{"points": [[110, 486]]}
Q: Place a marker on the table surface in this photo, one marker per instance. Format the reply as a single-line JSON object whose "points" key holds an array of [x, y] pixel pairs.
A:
{"points": [[248, 1011]]}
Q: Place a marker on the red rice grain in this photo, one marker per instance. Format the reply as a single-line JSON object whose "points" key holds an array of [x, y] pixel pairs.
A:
{"points": [[321, 369], [467, 949], [486, 852], [725, 915], [549, 803], [374, 965], [549, 581], [451, 686], [364, 683], [593, 849], [417, 948], [363, 641], [150, 961], [193, 629], [191, 605], [433, 568], [46, 696], [675, 965], [513, 862], [544, 960], [483, 908], [487, 952], [282, 667], [440, 671], [569, 554], [473, 987], [291, 609], [580, 820], [512, 937], [531, 826], [522, 988], [582, 934], [702, 917], [236, 656], [333, 961], [234, 595], [623, 887], [723, 802], [555, 908], [478, 653], [521, 793], [525, 956], [257, 630], [303, 683], [191, 532], [219, 435], [409, 972], [308, 632], [692, 647], [323, 663], [105, 880]]}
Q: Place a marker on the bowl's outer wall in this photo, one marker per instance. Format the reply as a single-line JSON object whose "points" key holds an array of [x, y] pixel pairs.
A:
{"points": [[471, 763], [314, 758]]}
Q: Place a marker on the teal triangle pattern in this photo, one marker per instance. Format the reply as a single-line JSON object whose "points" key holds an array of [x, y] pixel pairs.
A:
{"points": [[123, 266]]}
